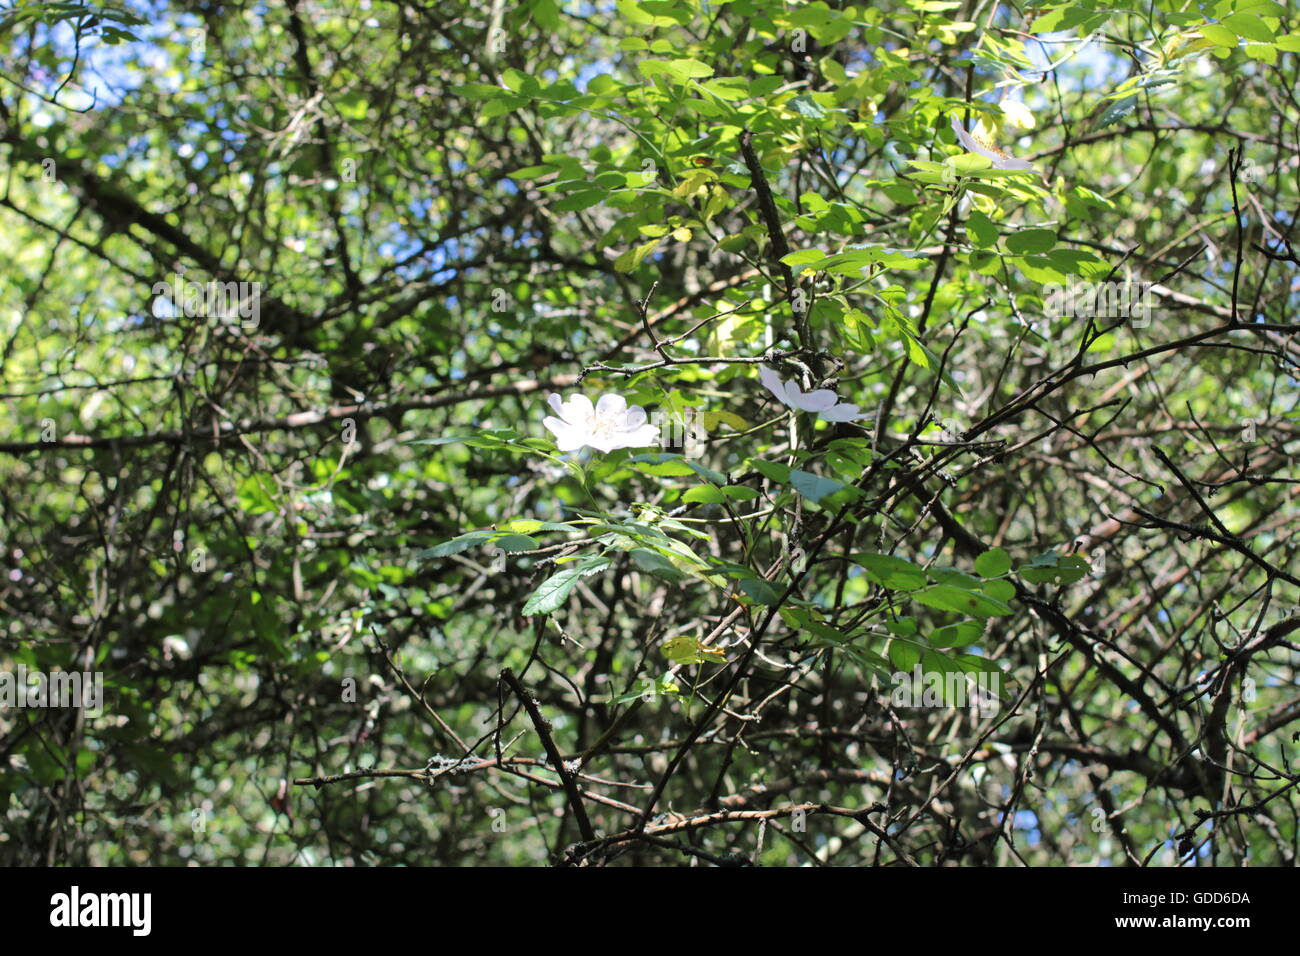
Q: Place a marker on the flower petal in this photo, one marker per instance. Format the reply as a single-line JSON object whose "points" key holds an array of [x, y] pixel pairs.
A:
{"points": [[638, 437], [772, 382], [578, 410], [1010, 162], [971, 143], [815, 401], [844, 412], [567, 437], [999, 159], [611, 405]]}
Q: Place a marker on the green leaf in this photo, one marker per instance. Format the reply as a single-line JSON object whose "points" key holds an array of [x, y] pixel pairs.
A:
{"points": [[444, 440], [904, 655], [689, 650], [981, 230], [993, 563], [657, 564], [546, 14], [678, 70], [803, 257], [946, 597], [1031, 241], [956, 577], [891, 572], [957, 635], [773, 470], [514, 543], [633, 257], [760, 591], [704, 494], [1116, 111], [479, 91], [456, 545], [813, 487], [532, 526], [578, 201], [1051, 568], [633, 13], [1219, 35], [256, 494], [902, 627], [502, 106], [973, 664], [1248, 26], [999, 589], [1261, 8], [708, 474], [553, 592], [663, 465]]}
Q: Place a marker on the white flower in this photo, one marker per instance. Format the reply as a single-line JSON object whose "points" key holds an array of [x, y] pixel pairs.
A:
{"points": [[609, 425], [999, 159], [822, 401]]}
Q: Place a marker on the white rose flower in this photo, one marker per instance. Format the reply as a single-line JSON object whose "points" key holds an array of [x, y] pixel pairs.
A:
{"points": [[999, 159], [609, 425], [822, 401]]}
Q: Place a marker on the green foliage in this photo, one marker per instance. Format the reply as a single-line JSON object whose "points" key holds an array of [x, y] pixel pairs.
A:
{"points": [[1032, 248]]}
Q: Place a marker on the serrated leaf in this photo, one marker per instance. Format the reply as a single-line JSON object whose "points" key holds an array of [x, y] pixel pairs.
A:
{"points": [[514, 543], [552, 592]]}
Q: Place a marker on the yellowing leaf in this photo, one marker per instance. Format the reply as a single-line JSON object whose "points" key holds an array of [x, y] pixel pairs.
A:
{"points": [[712, 419], [693, 184], [689, 650]]}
